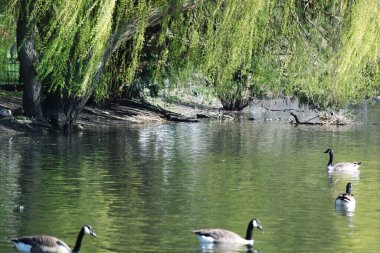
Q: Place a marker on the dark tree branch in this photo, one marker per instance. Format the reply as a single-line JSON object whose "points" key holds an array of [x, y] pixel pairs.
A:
{"points": [[298, 122], [26, 42]]}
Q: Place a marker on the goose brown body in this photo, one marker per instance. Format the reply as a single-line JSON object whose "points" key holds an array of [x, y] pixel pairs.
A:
{"points": [[217, 235], [346, 201], [341, 167], [50, 244]]}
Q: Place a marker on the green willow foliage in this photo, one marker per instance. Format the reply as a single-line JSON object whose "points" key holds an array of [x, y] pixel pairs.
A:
{"points": [[358, 61], [324, 51], [73, 41], [218, 42], [6, 38]]}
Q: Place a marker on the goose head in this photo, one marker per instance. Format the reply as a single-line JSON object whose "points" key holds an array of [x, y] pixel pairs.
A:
{"points": [[87, 229], [256, 224]]}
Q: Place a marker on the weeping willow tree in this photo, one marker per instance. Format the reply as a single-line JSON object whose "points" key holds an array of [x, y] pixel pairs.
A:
{"points": [[65, 45], [325, 52]]}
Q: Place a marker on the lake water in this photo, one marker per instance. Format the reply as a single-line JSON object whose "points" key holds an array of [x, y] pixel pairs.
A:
{"points": [[144, 189]]}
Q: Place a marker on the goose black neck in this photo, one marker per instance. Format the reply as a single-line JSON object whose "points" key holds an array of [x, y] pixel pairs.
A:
{"points": [[331, 158], [78, 243], [348, 189], [249, 234]]}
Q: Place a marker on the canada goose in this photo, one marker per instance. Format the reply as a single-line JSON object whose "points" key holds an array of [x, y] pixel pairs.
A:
{"points": [[218, 235], [346, 201], [50, 244], [5, 113], [340, 167]]}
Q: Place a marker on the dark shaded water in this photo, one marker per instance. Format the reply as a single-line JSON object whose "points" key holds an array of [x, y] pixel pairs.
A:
{"points": [[144, 189]]}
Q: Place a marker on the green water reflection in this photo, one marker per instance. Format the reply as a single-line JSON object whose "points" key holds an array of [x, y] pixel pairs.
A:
{"points": [[144, 189]]}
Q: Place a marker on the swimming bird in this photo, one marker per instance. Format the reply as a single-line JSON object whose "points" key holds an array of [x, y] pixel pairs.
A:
{"points": [[218, 235], [340, 167], [346, 201], [50, 244]]}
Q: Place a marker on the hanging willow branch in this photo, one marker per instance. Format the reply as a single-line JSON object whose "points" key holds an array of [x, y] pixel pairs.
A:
{"points": [[124, 33]]}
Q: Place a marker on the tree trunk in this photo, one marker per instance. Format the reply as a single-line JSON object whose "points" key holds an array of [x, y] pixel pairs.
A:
{"points": [[235, 104], [235, 100], [61, 110], [26, 42]]}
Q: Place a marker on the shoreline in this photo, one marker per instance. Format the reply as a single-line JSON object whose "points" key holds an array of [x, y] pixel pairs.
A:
{"points": [[117, 114], [155, 111]]}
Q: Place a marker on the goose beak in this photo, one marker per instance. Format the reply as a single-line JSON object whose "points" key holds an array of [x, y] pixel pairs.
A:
{"points": [[93, 233]]}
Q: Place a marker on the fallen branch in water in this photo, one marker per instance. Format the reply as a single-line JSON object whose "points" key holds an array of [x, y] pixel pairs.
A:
{"points": [[298, 122]]}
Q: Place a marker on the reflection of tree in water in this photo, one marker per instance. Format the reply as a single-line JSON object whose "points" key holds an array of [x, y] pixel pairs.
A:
{"points": [[10, 189]]}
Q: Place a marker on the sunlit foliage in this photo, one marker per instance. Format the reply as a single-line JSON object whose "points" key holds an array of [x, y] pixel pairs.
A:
{"points": [[7, 39], [358, 61], [219, 42], [326, 51], [73, 41]]}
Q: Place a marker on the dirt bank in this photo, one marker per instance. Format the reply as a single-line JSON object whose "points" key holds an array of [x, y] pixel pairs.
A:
{"points": [[118, 114]]}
